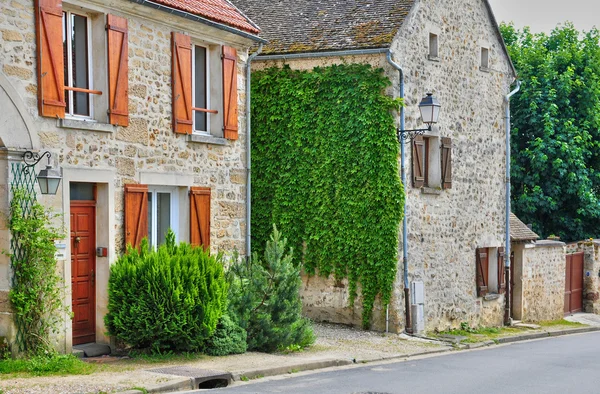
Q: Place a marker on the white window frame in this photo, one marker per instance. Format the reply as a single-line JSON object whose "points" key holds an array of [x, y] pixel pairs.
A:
{"points": [[174, 225], [208, 101], [69, 94]]}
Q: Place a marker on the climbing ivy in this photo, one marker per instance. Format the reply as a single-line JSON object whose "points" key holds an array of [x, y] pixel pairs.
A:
{"points": [[325, 171]]}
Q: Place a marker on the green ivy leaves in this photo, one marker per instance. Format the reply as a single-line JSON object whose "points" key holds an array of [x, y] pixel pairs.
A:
{"points": [[325, 171]]}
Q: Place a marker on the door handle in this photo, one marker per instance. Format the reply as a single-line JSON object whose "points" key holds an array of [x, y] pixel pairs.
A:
{"points": [[77, 240]]}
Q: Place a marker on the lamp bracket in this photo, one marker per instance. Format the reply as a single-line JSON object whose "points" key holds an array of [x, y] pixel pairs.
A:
{"points": [[411, 134], [31, 159]]}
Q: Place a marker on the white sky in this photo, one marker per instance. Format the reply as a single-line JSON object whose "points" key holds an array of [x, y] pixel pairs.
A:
{"points": [[544, 15]]}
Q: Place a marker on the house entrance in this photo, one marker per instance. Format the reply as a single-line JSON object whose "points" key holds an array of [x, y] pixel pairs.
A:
{"points": [[574, 283], [83, 270]]}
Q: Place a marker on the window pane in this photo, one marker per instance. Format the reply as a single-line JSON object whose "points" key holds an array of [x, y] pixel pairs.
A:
{"points": [[163, 216], [200, 88], [79, 47], [66, 61], [81, 191], [150, 208]]}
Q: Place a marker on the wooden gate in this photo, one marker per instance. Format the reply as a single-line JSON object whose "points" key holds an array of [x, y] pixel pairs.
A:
{"points": [[574, 283]]}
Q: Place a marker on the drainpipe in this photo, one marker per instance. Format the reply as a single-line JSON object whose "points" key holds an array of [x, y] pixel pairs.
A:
{"points": [[248, 155], [507, 235], [408, 322]]}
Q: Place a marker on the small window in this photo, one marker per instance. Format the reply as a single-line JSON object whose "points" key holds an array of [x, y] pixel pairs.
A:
{"points": [[76, 52], [79, 191], [200, 84], [433, 46], [485, 58], [427, 166], [163, 214], [490, 271]]}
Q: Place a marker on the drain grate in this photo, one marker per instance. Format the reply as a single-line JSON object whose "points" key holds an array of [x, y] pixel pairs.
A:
{"points": [[202, 378]]}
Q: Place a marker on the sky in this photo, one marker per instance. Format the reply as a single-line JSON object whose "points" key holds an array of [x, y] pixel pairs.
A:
{"points": [[544, 15]]}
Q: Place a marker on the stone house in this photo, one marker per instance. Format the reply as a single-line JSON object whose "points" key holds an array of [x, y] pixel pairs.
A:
{"points": [[455, 174], [142, 105]]}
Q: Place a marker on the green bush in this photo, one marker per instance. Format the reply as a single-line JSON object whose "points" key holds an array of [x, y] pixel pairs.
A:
{"points": [[228, 338], [264, 299], [166, 299]]}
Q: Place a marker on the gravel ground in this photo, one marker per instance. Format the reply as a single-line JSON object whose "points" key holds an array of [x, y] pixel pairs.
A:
{"points": [[333, 342]]}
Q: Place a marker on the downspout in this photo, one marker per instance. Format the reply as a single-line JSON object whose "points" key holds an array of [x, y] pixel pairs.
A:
{"points": [[408, 322], [507, 225], [248, 155]]}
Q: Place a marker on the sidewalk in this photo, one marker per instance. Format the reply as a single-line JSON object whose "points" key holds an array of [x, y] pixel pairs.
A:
{"points": [[335, 346]]}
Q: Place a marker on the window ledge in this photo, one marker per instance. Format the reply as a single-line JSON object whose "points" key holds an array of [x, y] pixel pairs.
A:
{"points": [[206, 139], [491, 297], [485, 69], [434, 58], [86, 125], [431, 190]]}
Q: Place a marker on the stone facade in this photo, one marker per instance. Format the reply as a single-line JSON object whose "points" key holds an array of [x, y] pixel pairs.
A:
{"points": [[147, 151], [591, 272], [539, 281], [445, 227]]}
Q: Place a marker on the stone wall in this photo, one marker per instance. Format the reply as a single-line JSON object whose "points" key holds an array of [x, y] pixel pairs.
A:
{"points": [[591, 278], [147, 151], [543, 281], [445, 226]]}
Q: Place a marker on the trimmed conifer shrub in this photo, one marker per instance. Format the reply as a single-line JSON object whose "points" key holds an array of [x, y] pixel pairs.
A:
{"points": [[264, 298], [170, 298], [228, 338]]}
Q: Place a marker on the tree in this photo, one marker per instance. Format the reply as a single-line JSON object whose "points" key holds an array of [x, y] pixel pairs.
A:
{"points": [[555, 130]]}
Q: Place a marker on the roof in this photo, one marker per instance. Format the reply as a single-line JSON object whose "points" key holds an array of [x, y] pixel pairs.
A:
{"points": [[295, 26], [519, 232], [221, 11]]}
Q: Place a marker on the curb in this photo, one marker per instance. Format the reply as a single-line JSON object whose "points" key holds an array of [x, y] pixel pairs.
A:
{"points": [[187, 384]]}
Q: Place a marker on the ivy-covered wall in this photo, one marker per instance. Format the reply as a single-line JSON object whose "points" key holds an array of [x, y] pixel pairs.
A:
{"points": [[325, 170]]}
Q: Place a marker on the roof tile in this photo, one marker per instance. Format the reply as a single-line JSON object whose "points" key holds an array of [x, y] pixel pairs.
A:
{"points": [[519, 232]]}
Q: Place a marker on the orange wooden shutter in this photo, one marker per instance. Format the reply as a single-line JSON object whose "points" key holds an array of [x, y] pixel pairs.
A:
{"points": [[50, 63], [118, 81], [501, 272], [200, 216], [446, 163], [230, 94], [417, 161], [481, 257], [182, 83], [136, 214]]}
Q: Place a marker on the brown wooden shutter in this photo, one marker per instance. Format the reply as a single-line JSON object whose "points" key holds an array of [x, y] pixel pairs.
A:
{"points": [[182, 83], [446, 163], [230, 94], [136, 214], [200, 216], [50, 63], [417, 161], [118, 80], [481, 256], [501, 276]]}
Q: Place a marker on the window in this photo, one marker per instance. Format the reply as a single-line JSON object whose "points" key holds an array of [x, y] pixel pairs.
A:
{"points": [[77, 70], [490, 271], [163, 214], [151, 210], [71, 82], [432, 162], [485, 58], [201, 99], [433, 46]]}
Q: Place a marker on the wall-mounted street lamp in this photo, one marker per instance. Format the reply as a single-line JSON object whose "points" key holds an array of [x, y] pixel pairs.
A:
{"points": [[48, 178], [430, 112]]}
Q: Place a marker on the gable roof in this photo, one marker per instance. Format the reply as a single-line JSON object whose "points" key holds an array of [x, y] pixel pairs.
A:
{"points": [[295, 26], [221, 11], [519, 232]]}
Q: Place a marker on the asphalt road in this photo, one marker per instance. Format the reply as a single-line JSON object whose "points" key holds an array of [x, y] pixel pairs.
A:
{"points": [[568, 364]]}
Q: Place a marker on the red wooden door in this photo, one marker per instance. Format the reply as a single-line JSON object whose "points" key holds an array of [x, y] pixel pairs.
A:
{"points": [[574, 283], [83, 271]]}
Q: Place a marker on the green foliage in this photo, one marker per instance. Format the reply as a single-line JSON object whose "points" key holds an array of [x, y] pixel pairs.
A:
{"points": [[166, 299], [52, 364], [264, 299], [228, 338], [36, 292], [325, 166], [555, 131]]}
